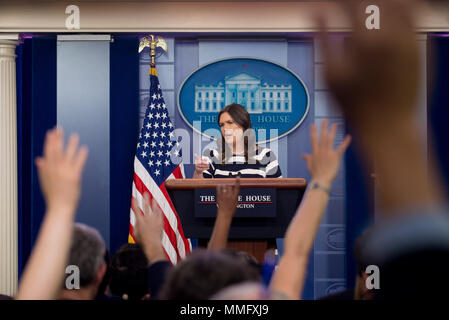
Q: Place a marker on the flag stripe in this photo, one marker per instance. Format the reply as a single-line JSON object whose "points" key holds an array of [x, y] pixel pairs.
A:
{"points": [[131, 232], [180, 234], [178, 173], [187, 244]]}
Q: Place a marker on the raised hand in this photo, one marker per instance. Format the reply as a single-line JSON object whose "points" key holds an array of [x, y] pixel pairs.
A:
{"points": [[60, 170], [149, 228], [324, 162], [227, 198], [375, 79]]}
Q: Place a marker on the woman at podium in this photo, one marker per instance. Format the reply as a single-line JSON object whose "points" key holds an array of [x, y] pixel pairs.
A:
{"points": [[237, 153]]}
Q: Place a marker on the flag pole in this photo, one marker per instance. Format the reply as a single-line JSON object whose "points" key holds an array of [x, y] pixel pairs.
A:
{"points": [[153, 52]]}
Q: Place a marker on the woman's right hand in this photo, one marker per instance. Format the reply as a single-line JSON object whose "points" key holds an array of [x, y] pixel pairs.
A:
{"points": [[200, 165]]}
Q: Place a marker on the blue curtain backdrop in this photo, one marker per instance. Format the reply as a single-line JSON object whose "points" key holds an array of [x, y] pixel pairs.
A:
{"points": [[438, 115], [359, 203], [36, 83], [19, 68], [124, 126]]}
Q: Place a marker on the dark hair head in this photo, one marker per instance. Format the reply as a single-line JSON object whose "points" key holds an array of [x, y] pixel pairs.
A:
{"points": [[107, 276], [412, 256], [239, 114], [204, 273], [419, 274], [129, 272], [360, 253], [245, 257]]}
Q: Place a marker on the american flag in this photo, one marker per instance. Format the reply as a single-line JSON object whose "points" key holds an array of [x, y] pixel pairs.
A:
{"points": [[153, 166]]}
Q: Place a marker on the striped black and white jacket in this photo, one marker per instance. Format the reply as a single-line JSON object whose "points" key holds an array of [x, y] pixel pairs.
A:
{"points": [[263, 164]]}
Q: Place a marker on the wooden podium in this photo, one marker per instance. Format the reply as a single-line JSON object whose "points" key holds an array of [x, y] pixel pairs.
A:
{"points": [[253, 234]]}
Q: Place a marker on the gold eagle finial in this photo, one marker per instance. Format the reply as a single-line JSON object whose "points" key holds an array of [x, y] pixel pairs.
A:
{"points": [[152, 44]]}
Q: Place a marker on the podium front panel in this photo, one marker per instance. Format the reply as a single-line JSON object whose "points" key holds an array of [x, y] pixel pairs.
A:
{"points": [[287, 201]]}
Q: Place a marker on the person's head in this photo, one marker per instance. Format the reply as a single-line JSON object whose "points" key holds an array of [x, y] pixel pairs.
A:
{"points": [[243, 291], [418, 274], [245, 257], [129, 276], [204, 273], [104, 285], [87, 253], [411, 254], [234, 122], [361, 292]]}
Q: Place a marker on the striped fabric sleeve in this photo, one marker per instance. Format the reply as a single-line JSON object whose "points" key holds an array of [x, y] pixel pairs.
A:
{"points": [[272, 169], [208, 173]]}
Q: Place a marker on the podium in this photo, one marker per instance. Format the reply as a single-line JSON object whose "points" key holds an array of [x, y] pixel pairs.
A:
{"points": [[252, 231]]}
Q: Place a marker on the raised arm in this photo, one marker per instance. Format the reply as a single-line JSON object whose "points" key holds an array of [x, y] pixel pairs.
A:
{"points": [[60, 170], [227, 198], [375, 80], [323, 165], [149, 228]]}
